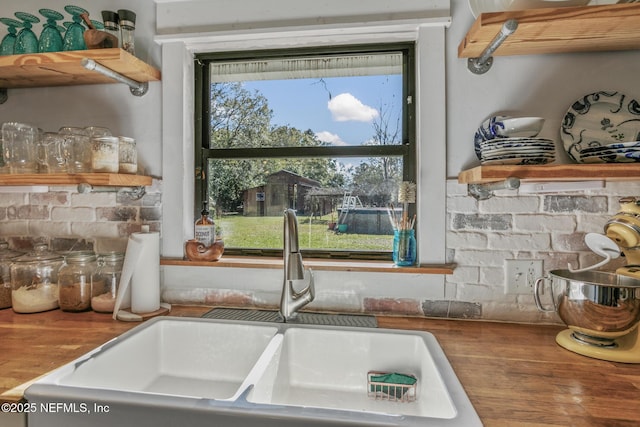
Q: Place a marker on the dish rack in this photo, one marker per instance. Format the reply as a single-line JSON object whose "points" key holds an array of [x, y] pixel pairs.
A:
{"points": [[391, 391]]}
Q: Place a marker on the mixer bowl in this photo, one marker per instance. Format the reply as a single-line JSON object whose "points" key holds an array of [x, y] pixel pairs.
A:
{"points": [[594, 304]]}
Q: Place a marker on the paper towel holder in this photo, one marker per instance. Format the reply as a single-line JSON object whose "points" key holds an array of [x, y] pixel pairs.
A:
{"points": [[135, 193]]}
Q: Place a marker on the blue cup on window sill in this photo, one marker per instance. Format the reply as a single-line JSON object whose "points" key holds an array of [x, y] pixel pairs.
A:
{"points": [[404, 247]]}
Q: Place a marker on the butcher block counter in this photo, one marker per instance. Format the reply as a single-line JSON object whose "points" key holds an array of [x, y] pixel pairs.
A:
{"points": [[514, 374]]}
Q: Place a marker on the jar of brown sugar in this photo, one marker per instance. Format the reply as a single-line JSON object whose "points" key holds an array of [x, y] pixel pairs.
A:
{"points": [[6, 256], [75, 280], [105, 282]]}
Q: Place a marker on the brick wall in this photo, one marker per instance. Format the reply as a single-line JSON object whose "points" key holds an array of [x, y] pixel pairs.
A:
{"points": [[481, 235], [68, 219]]}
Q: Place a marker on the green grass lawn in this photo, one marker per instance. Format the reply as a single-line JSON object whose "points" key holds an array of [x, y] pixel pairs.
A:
{"points": [[266, 232]]}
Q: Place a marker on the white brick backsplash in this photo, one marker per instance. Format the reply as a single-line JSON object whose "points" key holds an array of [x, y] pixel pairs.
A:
{"points": [[49, 228], [464, 274], [481, 258], [526, 204], [14, 228], [12, 199], [493, 276], [93, 199], [467, 240], [568, 242], [73, 214], [591, 223], [475, 292], [519, 242], [544, 223], [95, 229], [618, 189], [461, 204]]}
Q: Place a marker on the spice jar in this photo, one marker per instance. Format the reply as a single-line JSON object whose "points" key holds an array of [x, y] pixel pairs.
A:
{"points": [[104, 154], [34, 280], [111, 26], [6, 256], [127, 30], [128, 155], [105, 282], [74, 280]]}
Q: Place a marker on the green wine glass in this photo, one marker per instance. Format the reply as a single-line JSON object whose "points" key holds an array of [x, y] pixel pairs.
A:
{"points": [[74, 36], [8, 43], [50, 39], [26, 41]]}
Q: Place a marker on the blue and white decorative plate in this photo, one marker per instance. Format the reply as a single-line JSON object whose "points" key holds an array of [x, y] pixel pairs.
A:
{"points": [[598, 119], [518, 160], [613, 157], [514, 143], [621, 146]]}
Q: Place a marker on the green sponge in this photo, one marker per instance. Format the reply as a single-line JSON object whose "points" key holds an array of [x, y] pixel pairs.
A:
{"points": [[399, 383]]}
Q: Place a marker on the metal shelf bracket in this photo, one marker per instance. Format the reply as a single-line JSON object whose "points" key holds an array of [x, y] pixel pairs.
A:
{"points": [[483, 63], [136, 88], [135, 193], [485, 191]]}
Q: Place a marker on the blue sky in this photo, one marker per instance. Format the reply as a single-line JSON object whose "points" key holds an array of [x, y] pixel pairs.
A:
{"points": [[339, 110]]}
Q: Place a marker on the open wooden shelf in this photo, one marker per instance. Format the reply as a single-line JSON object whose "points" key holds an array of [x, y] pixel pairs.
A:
{"points": [[65, 69], [566, 172], [556, 30], [107, 179]]}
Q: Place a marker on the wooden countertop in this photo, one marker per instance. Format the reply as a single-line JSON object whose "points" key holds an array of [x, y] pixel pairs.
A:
{"points": [[515, 375]]}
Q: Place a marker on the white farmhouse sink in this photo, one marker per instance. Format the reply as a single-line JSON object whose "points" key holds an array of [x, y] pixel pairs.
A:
{"points": [[203, 372]]}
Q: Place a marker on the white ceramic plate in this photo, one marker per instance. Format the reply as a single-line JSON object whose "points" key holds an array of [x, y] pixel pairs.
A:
{"points": [[519, 161], [599, 119], [483, 6]]}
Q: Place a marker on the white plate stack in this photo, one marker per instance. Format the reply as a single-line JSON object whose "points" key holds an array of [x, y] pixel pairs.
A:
{"points": [[504, 140]]}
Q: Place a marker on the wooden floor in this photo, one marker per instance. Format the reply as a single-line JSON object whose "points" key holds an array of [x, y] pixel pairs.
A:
{"points": [[515, 375]]}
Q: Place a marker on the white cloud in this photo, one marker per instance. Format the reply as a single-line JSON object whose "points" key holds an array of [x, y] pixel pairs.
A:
{"points": [[331, 138], [346, 107]]}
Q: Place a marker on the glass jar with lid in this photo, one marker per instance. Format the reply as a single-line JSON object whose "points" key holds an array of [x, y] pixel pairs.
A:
{"points": [[34, 280], [104, 154], [6, 257], [106, 281], [74, 281]]}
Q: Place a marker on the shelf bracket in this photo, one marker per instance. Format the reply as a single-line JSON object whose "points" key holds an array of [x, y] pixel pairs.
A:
{"points": [[136, 88], [485, 191], [482, 64], [135, 193], [3, 95]]}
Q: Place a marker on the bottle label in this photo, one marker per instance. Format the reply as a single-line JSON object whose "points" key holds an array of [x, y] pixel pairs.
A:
{"points": [[205, 234]]}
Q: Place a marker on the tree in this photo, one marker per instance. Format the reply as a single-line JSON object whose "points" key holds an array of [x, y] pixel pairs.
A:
{"points": [[242, 119], [377, 180]]}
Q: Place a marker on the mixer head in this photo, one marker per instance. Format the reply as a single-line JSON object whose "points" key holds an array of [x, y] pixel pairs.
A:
{"points": [[624, 229]]}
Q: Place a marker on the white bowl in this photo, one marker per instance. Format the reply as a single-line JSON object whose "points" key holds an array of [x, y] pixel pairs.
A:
{"points": [[499, 127]]}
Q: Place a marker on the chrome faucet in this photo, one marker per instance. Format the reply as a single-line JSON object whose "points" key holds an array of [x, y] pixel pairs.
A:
{"points": [[291, 300]]}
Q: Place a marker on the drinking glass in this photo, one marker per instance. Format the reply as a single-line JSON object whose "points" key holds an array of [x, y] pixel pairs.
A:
{"points": [[79, 145], [8, 43], [26, 41], [50, 39], [20, 142], [54, 153], [74, 36]]}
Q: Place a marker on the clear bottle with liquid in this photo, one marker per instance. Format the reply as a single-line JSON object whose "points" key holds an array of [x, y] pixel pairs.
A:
{"points": [[205, 229]]}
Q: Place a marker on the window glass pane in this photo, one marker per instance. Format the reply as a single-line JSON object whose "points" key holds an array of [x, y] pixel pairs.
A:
{"points": [[341, 203]]}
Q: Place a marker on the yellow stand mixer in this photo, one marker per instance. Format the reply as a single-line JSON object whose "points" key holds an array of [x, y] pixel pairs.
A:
{"points": [[602, 309]]}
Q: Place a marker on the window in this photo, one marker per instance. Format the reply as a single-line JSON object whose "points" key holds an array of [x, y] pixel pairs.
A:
{"points": [[327, 132]]}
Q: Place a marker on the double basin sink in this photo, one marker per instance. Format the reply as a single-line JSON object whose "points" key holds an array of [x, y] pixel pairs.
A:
{"points": [[206, 372]]}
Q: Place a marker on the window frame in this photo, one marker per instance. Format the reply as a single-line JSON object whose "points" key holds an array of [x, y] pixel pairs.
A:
{"points": [[406, 150]]}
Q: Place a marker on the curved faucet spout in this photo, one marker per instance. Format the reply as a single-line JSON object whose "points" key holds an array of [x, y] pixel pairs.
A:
{"points": [[291, 300]]}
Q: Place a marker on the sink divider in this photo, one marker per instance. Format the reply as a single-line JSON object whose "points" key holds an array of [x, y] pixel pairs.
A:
{"points": [[258, 370]]}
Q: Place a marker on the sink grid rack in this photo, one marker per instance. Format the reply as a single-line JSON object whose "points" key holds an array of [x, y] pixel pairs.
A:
{"points": [[394, 392]]}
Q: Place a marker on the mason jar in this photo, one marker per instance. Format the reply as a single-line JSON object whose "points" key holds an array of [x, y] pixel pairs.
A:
{"points": [[128, 155], [105, 282], [6, 257], [34, 280], [104, 154], [74, 280]]}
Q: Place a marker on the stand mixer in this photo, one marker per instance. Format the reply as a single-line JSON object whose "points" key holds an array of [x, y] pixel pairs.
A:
{"points": [[602, 309]]}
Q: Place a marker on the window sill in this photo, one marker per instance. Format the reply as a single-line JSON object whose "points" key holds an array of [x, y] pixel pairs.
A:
{"points": [[316, 264]]}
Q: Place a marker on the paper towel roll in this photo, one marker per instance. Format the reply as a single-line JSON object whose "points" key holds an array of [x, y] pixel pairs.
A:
{"points": [[140, 279]]}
